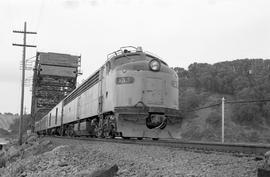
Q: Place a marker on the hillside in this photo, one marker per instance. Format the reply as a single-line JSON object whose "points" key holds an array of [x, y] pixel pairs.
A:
{"points": [[205, 84], [9, 124], [6, 121]]}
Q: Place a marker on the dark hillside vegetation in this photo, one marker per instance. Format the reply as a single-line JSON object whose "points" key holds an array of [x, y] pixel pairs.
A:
{"points": [[204, 84], [14, 127]]}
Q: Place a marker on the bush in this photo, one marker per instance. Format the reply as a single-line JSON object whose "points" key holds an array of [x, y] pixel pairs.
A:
{"points": [[214, 119], [189, 100], [2, 161], [254, 137], [14, 127], [247, 114]]}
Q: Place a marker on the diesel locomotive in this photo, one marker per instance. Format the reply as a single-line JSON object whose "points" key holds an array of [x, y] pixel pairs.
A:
{"points": [[133, 95]]}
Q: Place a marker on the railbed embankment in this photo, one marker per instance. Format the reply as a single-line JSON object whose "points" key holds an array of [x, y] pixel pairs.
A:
{"points": [[68, 157]]}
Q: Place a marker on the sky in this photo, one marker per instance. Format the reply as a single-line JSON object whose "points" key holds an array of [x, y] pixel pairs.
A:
{"points": [[179, 31]]}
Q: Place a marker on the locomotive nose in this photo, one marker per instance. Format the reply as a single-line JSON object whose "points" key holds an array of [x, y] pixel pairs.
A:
{"points": [[156, 121]]}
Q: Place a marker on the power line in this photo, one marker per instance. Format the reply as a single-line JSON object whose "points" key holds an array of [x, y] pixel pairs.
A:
{"points": [[30, 57], [231, 102], [205, 107], [24, 45], [247, 101]]}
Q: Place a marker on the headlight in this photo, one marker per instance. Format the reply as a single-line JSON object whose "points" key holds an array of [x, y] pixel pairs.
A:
{"points": [[154, 65]]}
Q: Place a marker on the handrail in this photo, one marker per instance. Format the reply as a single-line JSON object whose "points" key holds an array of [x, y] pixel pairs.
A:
{"points": [[121, 51]]}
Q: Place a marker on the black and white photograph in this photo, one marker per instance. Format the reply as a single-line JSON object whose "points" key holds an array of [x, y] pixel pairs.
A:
{"points": [[135, 88]]}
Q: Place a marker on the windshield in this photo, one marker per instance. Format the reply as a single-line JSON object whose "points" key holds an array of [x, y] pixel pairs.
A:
{"points": [[127, 59], [132, 58]]}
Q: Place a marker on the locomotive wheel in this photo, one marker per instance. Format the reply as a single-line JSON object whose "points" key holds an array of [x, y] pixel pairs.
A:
{"points": [[106, 131], [106, 134], [100, 134], [108, 126]]}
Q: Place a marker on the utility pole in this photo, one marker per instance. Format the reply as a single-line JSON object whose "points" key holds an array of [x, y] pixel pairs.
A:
{"points": [[222, 121], [24, 110], [23, 74]]}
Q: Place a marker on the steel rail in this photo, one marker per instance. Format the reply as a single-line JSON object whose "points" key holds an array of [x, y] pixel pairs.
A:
{"points": [[241, 148]]}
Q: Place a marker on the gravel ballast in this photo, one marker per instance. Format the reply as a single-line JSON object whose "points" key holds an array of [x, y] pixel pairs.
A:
{"points": [[82, 158]]}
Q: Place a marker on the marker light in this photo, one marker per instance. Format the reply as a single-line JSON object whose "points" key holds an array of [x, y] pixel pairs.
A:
{"points": [[174, 84], [154, 65]]}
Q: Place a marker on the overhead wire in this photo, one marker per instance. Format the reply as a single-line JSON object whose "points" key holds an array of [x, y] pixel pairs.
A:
{"points": [[231, 102], [247, 101], [205, 107]]}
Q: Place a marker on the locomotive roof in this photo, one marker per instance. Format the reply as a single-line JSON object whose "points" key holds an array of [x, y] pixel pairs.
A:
{"points": [[131, 51]]}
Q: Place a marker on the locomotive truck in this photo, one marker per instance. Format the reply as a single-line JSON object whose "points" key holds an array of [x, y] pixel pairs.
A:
{"points": [[134, 94]]}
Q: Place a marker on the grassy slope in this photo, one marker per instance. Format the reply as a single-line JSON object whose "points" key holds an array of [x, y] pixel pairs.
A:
{"points": [[7, 120], [205, 125]]}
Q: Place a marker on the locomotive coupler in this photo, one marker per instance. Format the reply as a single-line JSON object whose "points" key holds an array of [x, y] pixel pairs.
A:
{"points": [[156, 121]]}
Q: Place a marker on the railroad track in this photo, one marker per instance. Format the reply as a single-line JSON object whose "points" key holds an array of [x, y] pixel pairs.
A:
{"points": [[240, 149]]}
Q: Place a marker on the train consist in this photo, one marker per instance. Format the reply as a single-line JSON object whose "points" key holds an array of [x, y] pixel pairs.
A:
{"points": [[134, 94]]}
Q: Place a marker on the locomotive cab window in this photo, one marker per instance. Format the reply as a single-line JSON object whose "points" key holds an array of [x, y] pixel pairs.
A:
{"points": [[127, 59]]}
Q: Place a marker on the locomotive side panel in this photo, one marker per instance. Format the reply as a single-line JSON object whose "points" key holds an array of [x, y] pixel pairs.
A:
{"points": [[69, 111], [84, 106], [43, 123], [110, 92], [89, 102], [55, 116]]}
